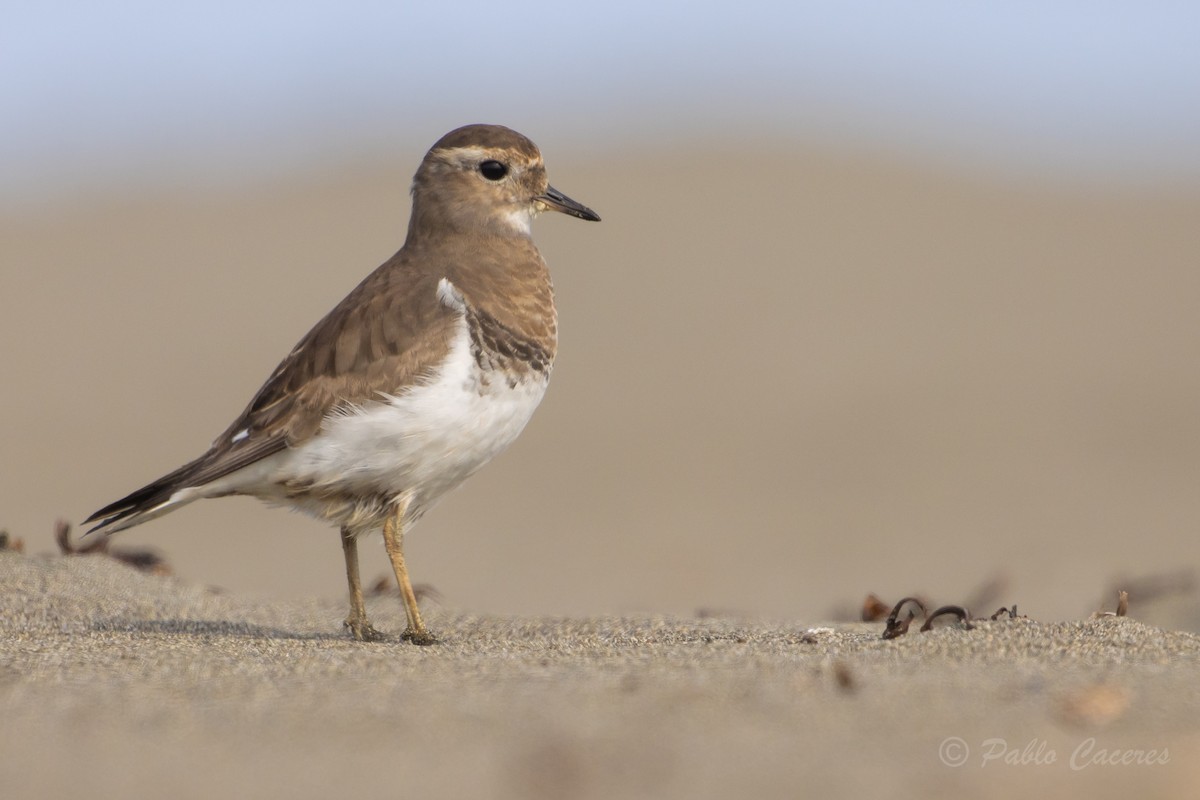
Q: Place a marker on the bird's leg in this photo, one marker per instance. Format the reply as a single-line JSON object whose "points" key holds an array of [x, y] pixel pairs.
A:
{"points": [[357, 621], [393, 540]]}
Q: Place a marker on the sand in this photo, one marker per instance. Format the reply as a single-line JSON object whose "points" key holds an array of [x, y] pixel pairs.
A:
{"points": [[116, 683]]}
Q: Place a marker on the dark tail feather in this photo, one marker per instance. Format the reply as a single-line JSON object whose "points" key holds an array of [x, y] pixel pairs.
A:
{"points": [[147, 503], [143, 500]]}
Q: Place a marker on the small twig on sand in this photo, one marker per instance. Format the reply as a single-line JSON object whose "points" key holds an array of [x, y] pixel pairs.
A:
{"points": [[386, 586], [874, 609], [958, 611], [1005, 611], [11, 544], [895, 626], [1122, 607], [139, 558]]}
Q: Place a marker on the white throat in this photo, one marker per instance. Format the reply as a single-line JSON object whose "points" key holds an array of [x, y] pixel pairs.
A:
{"points": [[520, 220]]}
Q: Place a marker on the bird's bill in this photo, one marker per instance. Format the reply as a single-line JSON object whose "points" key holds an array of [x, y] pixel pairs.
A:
{"points": [[555, 200]]}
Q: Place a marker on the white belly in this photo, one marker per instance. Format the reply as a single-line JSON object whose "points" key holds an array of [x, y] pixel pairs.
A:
{"points": [[416, 445]]}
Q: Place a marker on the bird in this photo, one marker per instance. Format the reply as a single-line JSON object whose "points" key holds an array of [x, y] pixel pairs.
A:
{"points": [[423, 373]]}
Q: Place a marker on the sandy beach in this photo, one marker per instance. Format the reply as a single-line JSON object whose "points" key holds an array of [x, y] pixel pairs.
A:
{"points": [[116, 683], [854, 374]]}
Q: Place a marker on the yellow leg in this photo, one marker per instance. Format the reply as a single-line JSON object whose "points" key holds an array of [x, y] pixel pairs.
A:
{"points": [[393, 540], [357, 621]]}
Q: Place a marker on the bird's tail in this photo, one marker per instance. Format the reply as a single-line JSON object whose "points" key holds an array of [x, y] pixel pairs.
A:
{"points": [[163, 496]]}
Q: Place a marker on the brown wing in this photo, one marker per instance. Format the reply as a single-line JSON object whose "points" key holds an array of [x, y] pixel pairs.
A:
{"points": [[391, 331], [387, 333]]}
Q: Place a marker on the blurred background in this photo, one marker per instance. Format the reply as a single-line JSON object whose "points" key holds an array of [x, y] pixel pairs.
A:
{"points": [[887, 297]]}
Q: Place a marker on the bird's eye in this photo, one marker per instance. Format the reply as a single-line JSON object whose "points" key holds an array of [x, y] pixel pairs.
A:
{"points": [[493, 170]]}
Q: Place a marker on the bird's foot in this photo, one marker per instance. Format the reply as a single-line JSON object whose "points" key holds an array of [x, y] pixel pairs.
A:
{"points": [[420, 637], [362, 631]]}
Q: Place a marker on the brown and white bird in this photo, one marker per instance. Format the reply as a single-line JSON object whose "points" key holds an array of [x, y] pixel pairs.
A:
{"points": [[427, 370]]}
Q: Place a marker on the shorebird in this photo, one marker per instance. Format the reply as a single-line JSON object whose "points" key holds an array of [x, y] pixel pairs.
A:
{"points": [[427, 370]]}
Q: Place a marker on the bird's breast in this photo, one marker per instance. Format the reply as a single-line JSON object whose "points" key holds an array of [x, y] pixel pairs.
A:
{"points": [[428, 437]]}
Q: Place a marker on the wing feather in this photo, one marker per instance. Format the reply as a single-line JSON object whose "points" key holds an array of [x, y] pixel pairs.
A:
{"points": [[390, 332]]}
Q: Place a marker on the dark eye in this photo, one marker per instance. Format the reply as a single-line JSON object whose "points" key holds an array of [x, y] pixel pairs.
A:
{"points": [[493, 170]]}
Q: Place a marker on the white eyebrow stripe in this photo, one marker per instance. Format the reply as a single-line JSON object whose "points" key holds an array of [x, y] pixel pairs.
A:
{"points": [[473, 154], [468, 152]]}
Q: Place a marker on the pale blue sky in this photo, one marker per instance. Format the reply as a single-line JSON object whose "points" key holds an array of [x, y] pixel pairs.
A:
{"points": [[95, 91]]}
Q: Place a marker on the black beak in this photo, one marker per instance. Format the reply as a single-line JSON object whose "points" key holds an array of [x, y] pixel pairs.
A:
{"points": [[557, 201]]}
